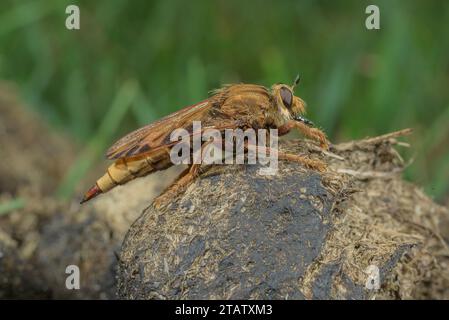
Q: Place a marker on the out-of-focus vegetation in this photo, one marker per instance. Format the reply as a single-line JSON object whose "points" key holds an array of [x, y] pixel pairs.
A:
{"points": [[135, 61]]}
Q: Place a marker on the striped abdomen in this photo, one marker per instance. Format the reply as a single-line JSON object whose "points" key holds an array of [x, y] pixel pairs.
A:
{"points": [[127, 169]]}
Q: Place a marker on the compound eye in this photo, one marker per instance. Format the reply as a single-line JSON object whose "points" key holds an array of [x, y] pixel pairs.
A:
{"points": [[287, 97]]}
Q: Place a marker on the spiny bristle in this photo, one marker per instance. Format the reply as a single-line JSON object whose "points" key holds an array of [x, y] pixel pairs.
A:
{"points": [[91, 193]]}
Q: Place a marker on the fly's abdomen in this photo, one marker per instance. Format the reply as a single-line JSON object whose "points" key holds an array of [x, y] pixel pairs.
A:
{"points": [[125, 170]]}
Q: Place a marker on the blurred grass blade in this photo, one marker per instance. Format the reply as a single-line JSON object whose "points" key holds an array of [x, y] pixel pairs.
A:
{"points": [[12, 205], [142, 109], [24, 14], [121, 104]]}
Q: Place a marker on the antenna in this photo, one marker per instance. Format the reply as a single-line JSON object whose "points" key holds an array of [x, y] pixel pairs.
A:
{"points": [[296, 82]]}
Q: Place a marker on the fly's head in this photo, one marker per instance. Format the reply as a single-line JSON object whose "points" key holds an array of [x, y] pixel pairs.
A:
{"points": [[289, 106]]}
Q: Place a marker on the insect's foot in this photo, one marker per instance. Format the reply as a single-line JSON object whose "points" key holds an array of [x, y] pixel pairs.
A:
{"points": [[161, 201], [324, 146], [169, 194], [321, 138]]}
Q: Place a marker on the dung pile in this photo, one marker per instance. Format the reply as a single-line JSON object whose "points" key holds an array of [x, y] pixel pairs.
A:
{"points": [[236, 234]]}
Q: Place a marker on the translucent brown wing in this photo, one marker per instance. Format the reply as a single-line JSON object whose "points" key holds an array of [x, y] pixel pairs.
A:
{"points": [[154, 134], [243, 101]]}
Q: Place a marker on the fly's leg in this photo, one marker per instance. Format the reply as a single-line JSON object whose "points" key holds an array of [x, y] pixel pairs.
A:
{"points": [[177, 187], [286, 128], [313, 164], [312, 133], [181, 183]]}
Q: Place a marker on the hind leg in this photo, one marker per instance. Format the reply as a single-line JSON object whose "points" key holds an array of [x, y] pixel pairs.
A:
{"points": [[182, 181], [180, 185]]}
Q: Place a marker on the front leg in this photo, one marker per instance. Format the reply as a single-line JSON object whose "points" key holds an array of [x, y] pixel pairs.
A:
{"points": [[309, 132], [313, 133], [286, 128]]}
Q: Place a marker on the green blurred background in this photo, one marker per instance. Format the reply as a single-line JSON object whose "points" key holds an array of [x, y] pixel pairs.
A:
{"points": [[135, 61]]}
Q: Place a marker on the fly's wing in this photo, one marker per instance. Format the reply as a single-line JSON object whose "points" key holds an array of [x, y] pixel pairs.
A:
{"points": [[154, 134], [243, 102]]}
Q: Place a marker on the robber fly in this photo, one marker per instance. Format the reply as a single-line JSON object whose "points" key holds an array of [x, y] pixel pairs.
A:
{"points": [[243, 106]]}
